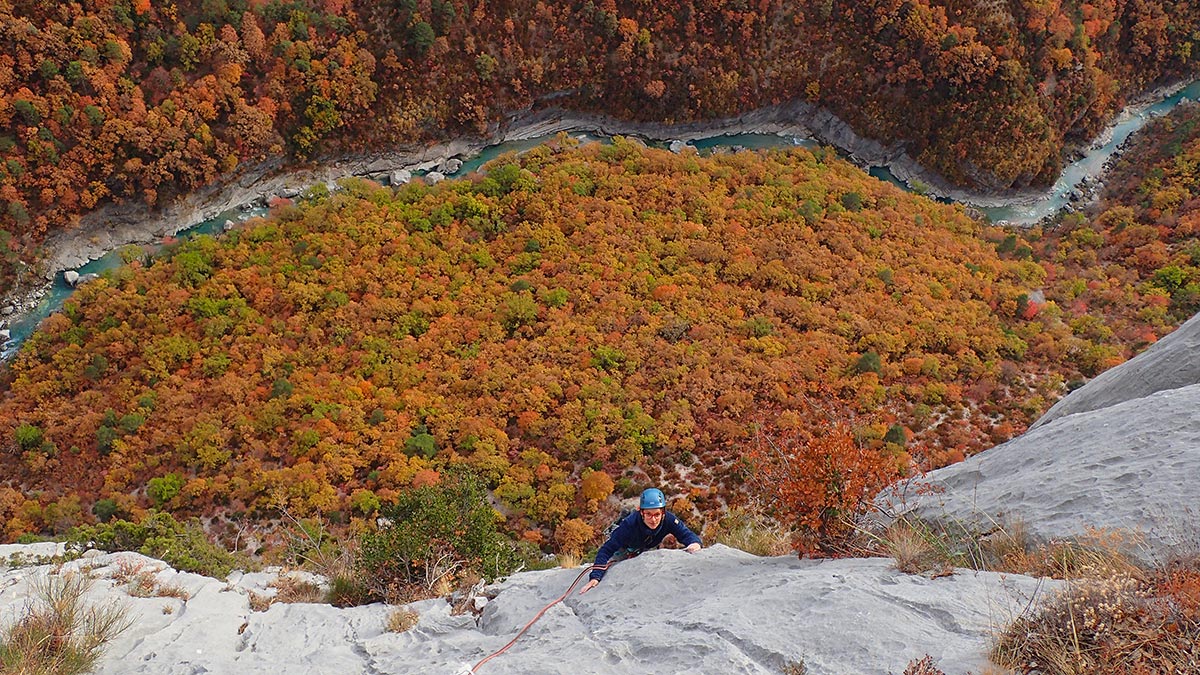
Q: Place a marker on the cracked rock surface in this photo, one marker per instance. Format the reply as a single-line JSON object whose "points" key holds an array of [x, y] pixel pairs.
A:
{"points": [[718, 611]]}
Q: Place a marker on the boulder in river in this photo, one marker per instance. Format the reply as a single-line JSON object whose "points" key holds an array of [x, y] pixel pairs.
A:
{"points": [[71, 277], [434, 177], [399, 177]]}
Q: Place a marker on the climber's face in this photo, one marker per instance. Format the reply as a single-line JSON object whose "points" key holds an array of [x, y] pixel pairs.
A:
{"points": [[652, 517]]}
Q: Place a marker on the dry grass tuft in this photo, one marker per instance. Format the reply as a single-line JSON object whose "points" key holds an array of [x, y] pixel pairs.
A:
{"points": [[59, 633], [142, 582], [795, 667], [258, 601], [290, 588], [1098, 554], [753, 533], [568, 561], [401, 619], [915, 549]]}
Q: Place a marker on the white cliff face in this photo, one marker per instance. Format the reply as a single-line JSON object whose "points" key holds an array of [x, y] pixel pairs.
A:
{"points": [[718, 611]]}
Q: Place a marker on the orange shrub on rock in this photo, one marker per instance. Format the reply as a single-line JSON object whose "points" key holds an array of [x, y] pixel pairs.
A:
{"points": [[816, 481]]}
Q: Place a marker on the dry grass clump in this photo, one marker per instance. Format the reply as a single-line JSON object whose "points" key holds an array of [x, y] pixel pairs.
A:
{"points": [[753, 533], [401, 619], [291, 588], [258, 601], [1098, 554], [925, 547], [795, 668], [288, 588], [917, 548], [1146, 623], [59, 633]]}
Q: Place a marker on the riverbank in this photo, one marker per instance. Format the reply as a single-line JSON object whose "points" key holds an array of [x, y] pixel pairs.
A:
{"points": [[114, 226]]}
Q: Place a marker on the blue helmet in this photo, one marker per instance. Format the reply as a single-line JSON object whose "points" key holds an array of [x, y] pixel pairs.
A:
{"points": [[652, 498]]}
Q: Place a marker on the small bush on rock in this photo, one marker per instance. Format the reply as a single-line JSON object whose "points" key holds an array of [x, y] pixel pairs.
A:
{"points": [[183, 546], [432, 535]]}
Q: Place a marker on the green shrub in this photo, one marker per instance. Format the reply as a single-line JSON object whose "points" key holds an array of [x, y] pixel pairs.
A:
{"points": [[165, 488], [868, 363], [434, 533], [421, 442], [281, 388], [183, 546], [896, 434], [29, 437], [105, 509], [105, 436]]}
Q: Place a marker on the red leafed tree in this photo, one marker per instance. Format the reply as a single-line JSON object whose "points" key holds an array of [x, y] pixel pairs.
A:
{"points": [[818, 481]]}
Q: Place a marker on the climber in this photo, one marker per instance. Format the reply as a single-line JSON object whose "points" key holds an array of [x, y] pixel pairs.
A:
{"points": [[641, 530]]}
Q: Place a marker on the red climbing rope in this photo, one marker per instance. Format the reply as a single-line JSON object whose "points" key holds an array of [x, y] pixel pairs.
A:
{"points": [[532, 621]]}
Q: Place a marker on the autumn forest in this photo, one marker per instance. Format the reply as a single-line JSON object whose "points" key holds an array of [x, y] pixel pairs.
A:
{"points": [[117, 101], [771, 330]]}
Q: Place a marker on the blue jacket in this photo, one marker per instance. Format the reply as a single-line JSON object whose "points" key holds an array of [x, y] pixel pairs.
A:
{"points": [[633, 536]]}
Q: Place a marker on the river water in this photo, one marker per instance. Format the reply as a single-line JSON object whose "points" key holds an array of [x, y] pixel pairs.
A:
{"points": [[1091, 165]]}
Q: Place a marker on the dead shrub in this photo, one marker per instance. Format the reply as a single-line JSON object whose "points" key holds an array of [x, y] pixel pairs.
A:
{"points": [[923, 666], [1124, 624]]}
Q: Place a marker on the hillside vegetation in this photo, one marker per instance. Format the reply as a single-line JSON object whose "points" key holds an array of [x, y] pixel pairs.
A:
{"points": [[571, 322], [1130, 265], [126, 100]]}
